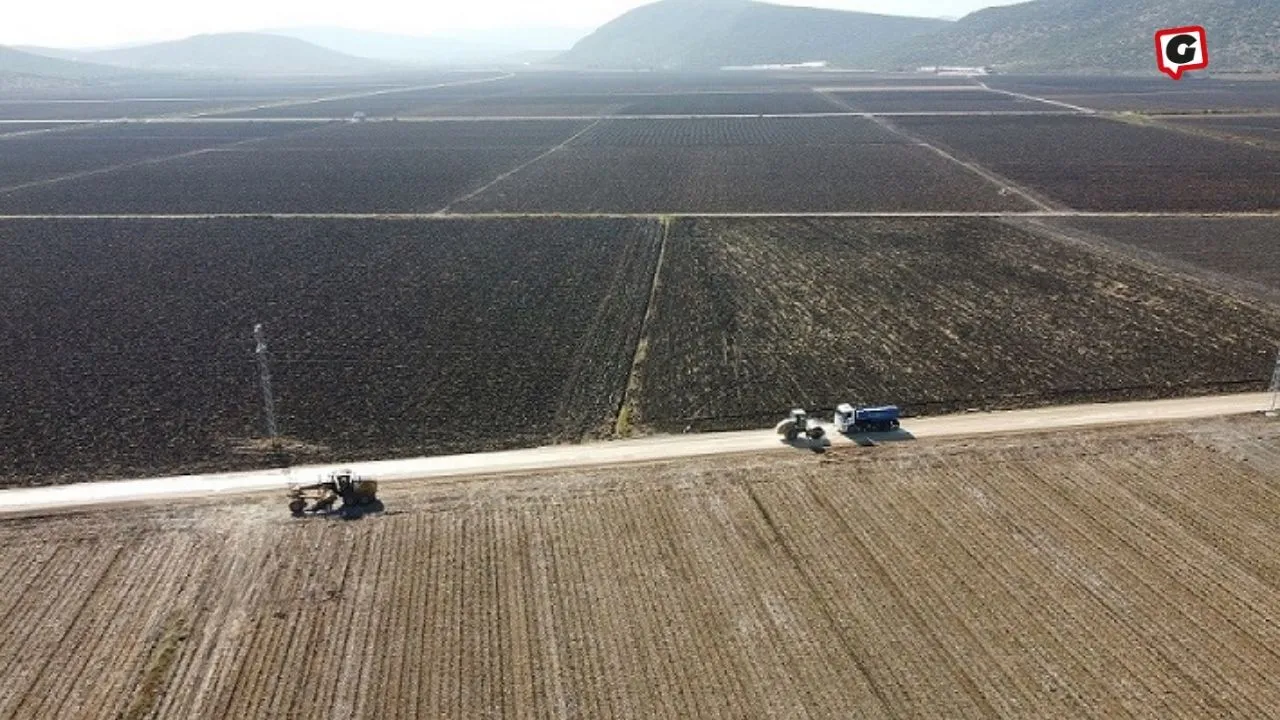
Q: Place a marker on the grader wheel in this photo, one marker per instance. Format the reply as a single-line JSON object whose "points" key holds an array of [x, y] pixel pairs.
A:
{"points": [[297, 505]]}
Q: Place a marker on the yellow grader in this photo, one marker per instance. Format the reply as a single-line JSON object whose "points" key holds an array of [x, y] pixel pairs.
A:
{"points": [[343, 485]]}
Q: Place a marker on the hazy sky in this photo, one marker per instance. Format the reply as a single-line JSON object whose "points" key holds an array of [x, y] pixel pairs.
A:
{"points": [[76, 23]]}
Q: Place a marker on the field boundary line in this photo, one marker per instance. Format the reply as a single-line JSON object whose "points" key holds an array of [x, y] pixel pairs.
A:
{"points": [[144, 162], [192, 120], [349, 96], [1059, 103], [1006, 185], [604, 215], [622, 425], [1207, 133], [445, 210]]}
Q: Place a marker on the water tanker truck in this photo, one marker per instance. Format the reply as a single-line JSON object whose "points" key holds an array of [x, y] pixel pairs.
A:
{"points": [[851, 420]]}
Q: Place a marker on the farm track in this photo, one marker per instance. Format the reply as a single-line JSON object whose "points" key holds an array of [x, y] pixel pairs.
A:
{"points": [[542, 118], [481, 215], [616, 453], [1092, 573]]}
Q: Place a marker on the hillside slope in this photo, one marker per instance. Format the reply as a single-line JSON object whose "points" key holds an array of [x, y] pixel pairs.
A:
{"points": [[20, 62], [21, 70], [452, 49], [713, 33], [239, 53], [1115, 35]]}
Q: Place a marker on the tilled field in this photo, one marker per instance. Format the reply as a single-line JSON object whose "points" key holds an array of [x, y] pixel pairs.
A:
{"points": [[976, 100], [13, 128], [1240, 252], [754, 316], [260, 180], [741, 165], [101, 109], [1096, 164], [383, 167], [34, 158], [1264, 128], [388, 103], [1118, 573], [1148, 94], [730, 104], [126, 349]]}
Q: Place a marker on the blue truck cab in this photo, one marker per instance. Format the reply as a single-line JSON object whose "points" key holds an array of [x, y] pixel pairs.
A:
{"points": [[850, 419]]}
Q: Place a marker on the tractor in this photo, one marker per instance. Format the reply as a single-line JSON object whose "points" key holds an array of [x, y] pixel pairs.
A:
{"points": [[343, 485], [799, 425]]}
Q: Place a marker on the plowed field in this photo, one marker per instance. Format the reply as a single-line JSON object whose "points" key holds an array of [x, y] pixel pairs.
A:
{"points": [[1092, 163], [755, 316], [1116, 573], [126, 345]]}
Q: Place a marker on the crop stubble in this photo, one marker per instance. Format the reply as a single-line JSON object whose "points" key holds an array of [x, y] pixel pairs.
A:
{"points": [[1097, 573]]}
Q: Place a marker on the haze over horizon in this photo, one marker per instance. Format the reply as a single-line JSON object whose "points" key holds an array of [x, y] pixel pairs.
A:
{"points": [[89, 24]]}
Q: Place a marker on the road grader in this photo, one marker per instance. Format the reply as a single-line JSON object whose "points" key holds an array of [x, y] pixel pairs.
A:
{"points": [[320, 497]]}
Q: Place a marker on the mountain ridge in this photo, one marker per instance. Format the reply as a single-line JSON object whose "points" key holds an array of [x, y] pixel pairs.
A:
{"points": [[222, 53], [1039, 35], [702, 34], [1108, 35], [445, 49]]}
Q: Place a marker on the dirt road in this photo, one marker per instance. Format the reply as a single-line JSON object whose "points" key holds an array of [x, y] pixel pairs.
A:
{"points": [[617, 452]]}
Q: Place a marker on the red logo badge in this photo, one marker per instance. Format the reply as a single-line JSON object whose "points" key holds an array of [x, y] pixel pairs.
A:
{"points": [[1181, 49]]}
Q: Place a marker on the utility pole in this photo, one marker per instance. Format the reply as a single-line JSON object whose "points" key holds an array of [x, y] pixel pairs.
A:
{"points": [[264, 370], [1275, 388]]}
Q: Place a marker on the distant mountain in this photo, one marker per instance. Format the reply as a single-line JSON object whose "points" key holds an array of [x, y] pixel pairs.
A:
{"points": [[537, 38], [28, 63], [21, 69], [59, 53], [717, 33], [1113, 35], [237, 54], [468, 48]]}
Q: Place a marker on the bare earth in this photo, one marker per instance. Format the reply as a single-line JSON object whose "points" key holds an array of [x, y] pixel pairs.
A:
{"points": [[1086, 573]]}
